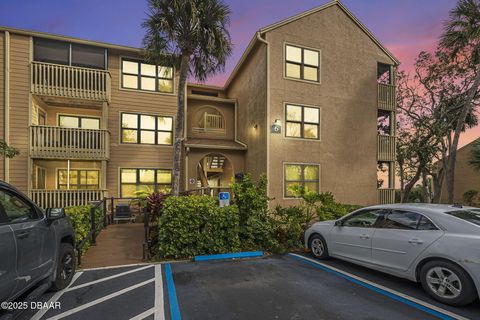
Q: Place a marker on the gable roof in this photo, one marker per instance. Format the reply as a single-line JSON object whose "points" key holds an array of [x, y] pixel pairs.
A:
{"points": [[300, 16]]}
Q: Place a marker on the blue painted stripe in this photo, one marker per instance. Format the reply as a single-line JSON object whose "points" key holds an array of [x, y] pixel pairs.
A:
{"points": [[234, 255], [381, 291], [172, 294]]}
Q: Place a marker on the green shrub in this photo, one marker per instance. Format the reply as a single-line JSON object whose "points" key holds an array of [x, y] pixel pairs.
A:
{"points": [[470, 197], [290, 224], [80, 217], [195, 225]]}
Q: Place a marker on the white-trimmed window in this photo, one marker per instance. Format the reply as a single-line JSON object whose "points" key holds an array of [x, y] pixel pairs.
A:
{"points": [[149, 77], [146, 129], [133, 180], [298, 175], [302, 122], [302, 63]]}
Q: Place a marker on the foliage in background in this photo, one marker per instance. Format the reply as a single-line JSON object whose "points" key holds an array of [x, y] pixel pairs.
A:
{"points": [[470, 197], [7, 151], [80, 217], [475, 156]]}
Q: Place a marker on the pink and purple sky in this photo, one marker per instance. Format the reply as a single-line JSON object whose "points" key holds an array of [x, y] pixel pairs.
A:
{"points": [[405, 27]]}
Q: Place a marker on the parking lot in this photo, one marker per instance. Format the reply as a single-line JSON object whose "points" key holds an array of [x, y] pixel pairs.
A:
{"points": [[272, 287]]}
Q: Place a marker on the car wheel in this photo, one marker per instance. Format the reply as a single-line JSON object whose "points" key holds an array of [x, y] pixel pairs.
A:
{"points": [[65, 267], [447, 283], [318, 247]]}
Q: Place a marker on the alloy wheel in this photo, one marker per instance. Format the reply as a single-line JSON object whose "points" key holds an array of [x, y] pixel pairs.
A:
{"points": [[317, 247], [444, 282]]}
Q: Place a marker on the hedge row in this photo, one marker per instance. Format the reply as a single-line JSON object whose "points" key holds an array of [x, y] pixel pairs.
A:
{"points": [[80, 218]]}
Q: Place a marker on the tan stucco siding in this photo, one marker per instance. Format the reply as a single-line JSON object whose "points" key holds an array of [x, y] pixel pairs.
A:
{"points": [[19, 108], [347, 97], [2, 98], [134, 156], [249, 88], [466, 178]]}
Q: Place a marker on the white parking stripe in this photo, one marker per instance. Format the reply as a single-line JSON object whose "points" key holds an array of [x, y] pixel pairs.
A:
{"points": [[394, 292], [143, 315], [108, 278], [159, 307], [100, 300], [55, 297]]}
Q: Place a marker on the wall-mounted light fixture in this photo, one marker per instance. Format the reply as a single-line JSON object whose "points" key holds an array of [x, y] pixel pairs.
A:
{"points": [[277, 126]]}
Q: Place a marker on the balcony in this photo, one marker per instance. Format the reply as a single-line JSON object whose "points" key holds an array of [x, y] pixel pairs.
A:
{"points": [[386, 148], [70, 82], [65, 198], [386, 196], [48, 142], [212, 123], [386, 97]]}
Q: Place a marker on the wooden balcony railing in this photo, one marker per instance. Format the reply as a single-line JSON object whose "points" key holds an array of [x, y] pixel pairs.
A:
{"points": [[386, 196], [386, 148], [70, 82], [386, 97], [69, 143], [65, 198], [212, 123]]}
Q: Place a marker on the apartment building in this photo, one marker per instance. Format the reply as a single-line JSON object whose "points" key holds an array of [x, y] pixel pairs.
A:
{"points": [[311, 103]]}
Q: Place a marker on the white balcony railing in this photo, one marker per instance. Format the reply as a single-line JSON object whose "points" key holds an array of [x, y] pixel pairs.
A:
{"points": [[70, 82], [212, 123], [65, 198], [69, 143]]}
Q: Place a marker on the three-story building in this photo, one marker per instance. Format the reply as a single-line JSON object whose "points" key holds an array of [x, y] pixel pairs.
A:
{"points": [[311, 103]]}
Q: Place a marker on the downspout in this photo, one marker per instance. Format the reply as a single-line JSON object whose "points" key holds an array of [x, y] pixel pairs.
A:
{"points": [[7, 105], [267, 73], [236, 126]]}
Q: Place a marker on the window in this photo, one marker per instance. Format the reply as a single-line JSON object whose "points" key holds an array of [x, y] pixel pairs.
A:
{"points": [[149, 180], [149, 77], [405, 220], [79, 179], [301, 176], [301, 63], [147, 129], [78, 122], [15, 208], [472, 215], [363, 219], [302, 122], [59, 52]]}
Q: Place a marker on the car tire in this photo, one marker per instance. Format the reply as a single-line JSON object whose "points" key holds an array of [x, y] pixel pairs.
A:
{"points": [[448, 283], [318, 247], [65, 268]]}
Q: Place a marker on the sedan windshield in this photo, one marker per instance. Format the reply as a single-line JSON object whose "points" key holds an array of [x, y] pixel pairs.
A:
{"points": [[471, 215]]}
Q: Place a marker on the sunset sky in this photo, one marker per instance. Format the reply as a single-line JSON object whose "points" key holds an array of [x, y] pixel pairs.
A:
{"points": [[405, 27]]}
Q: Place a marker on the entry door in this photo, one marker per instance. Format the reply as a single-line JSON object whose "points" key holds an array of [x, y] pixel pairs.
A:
{"points": [[35, 241], [8, 271], [400, 238], [353, 238]]}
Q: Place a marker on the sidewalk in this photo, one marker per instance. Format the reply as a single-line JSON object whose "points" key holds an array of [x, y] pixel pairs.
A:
{"points": [[119, 244]]}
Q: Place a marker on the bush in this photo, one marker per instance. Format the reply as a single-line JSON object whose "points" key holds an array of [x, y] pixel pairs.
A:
{"points": [[80, 217], [195, 225], [470, 197], [291, 223]]}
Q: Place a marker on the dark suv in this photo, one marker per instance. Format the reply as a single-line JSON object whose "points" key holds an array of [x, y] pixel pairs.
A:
{"points": [[36, 247]]}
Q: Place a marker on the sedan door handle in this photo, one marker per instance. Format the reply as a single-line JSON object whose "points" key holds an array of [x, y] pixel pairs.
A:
{"points": [[364, 236], [415, 241], [22, 235]]}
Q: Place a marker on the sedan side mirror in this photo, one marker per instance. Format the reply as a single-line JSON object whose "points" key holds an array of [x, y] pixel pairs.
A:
{"points": [[55, 213], [338, 223]]}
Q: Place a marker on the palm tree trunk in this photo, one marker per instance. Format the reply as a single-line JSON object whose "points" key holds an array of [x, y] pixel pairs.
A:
{"points": [[178, 144], [452, 157]]}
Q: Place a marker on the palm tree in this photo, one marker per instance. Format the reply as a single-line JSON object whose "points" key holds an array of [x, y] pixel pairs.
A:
{"points": [[461, 37], [192, 36]]}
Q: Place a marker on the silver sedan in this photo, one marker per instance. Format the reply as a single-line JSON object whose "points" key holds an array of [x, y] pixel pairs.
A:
{"points": [[437, 245]]}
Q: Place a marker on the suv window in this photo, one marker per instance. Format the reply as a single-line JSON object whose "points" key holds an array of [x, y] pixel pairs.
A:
{"points": [[363, 219], [15, 208]]}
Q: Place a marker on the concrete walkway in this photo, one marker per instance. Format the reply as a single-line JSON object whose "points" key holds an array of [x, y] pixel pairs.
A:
{"points": [[119, 244]]}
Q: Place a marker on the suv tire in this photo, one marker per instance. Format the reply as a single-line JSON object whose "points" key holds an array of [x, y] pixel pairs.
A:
{"points": [[65, 267]]}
